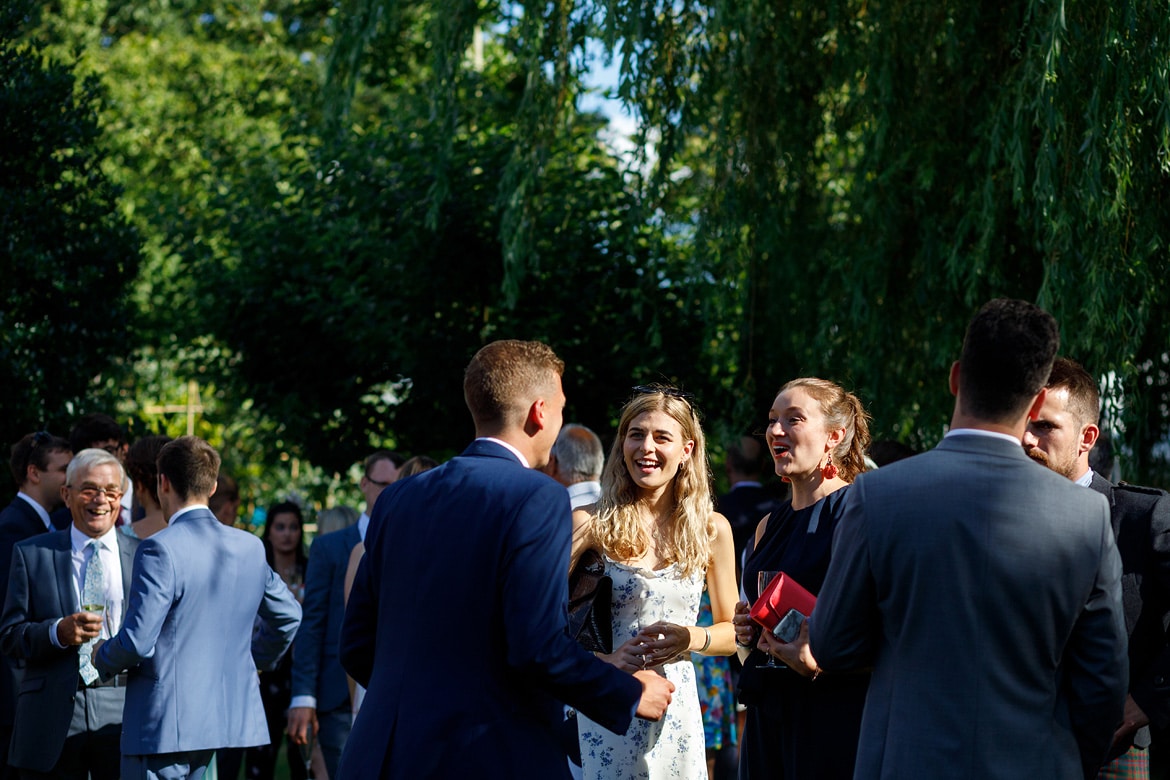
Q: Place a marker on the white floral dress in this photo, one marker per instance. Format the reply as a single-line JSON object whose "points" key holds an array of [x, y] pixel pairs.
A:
{"points": [[674, 747]]}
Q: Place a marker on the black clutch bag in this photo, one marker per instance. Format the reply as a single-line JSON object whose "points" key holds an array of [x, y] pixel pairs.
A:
{"points": [[590, 604]]}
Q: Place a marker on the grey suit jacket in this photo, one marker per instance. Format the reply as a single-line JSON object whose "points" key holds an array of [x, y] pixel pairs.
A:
{"points": [[40, 591], [188, 638], [985, 591]]}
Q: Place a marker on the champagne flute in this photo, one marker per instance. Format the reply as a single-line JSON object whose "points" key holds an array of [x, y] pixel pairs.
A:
{"points": [[763, 579]]}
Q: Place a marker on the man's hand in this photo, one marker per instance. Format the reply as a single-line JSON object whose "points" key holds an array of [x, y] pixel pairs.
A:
{"points": [[656, 691], [1132, 719], [302, 723], [78, 628]]}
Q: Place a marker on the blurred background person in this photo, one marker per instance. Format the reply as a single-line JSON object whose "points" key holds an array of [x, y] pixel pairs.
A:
{"points": [[225, 503], [335, 518], [142, 468], [575, 461], [284, 548], [817, 434]]}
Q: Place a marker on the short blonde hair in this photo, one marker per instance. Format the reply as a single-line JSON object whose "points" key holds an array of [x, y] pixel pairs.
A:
{"points": [[504, 377]]}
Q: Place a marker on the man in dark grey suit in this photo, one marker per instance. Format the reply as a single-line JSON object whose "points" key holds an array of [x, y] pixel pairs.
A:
{"points": [[982, 589], [1061, 438], [66, 726]]}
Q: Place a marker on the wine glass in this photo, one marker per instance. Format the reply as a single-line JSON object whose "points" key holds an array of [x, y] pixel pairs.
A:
{"points": [[763, 579]]}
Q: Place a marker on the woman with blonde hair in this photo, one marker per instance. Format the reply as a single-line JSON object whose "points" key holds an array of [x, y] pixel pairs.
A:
{"points": [[817, 434], [662, 543]]}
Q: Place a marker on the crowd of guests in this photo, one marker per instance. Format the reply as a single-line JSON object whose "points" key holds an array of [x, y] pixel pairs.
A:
{"points": [[976, 615]]}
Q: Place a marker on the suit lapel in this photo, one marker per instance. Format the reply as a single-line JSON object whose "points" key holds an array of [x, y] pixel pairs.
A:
{"points": [[63, 568]]}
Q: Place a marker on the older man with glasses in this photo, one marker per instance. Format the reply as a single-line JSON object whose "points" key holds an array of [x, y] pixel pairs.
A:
{"points": [[67, 590]]}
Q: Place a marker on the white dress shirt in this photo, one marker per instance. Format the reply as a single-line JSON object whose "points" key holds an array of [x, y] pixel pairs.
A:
{"points": [[112, 574]]}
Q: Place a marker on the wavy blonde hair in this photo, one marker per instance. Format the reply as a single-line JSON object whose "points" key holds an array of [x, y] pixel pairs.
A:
{"points": [[617, 530], [841, 409]]}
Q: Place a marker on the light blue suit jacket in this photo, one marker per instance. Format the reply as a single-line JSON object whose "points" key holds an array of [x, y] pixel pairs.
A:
{"points": [[985, 591], [188, 638]]}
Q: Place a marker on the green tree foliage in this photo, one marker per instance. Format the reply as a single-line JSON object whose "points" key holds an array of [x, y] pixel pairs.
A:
{"points": [[67, 255], [863, 176]]}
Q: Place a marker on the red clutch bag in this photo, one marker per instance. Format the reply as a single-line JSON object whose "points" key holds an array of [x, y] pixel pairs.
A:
{"points": [[782, 594]]}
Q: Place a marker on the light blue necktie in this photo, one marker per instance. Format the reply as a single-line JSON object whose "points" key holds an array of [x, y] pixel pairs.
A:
{"points": [[93, 593]]}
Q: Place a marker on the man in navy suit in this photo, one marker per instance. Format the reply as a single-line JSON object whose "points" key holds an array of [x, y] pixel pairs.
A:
{"points": [[457, 621], [188, 637], [320, 692], [67, 726], [1061, 438], [983, 589], [37, 463]]}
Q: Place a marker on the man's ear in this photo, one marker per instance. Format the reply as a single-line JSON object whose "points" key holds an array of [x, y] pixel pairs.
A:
{"points": [[534, 421], [1038, 404], [1089, 434], [954, 378], [32, 474]]}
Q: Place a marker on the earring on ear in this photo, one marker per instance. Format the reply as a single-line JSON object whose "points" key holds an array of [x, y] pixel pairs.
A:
{"points": [[829, 471]]}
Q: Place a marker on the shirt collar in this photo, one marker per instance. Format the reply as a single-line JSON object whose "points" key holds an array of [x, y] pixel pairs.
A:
{"points": [[363, 525], [508, 447], [185, 510], [981, 432], [109, 539], [1086, 479], [41, 511]]}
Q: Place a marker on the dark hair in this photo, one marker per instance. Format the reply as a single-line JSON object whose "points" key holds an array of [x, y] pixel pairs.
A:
{"points": [[1084, 399], [1007, 356], [92, 428], [142, 464], [417, 465], [504, 377], [226, 490], [191, 465], [745, 456], [284, 508], [372, 459], [841, 409], [34, 449], [883, 452]]}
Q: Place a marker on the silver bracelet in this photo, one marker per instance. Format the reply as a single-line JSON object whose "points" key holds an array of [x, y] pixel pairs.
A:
{"points": [[706, 644]]}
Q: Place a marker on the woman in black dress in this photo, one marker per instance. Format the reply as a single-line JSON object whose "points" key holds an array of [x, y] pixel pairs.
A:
{"points": [[801, 725]]}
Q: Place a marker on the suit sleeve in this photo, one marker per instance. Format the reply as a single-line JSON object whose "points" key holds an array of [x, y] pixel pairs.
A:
{"points": [[1150, 687], [535, 594], [280, 614], [1095, 660], [152, 592], [843, 629], [306, 667], [20, 635]]}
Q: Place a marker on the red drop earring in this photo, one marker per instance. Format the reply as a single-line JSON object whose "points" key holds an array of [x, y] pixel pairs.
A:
{"points": [[829, 471]]}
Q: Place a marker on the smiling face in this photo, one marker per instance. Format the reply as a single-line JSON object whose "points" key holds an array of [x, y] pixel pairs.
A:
{"points": [[285, 533], [653, 448], [796, 434], [93, 498]]}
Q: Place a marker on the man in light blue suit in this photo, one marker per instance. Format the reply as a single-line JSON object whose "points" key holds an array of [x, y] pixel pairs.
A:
{"points": [[983, 589], [457, 621], [188, 637]]}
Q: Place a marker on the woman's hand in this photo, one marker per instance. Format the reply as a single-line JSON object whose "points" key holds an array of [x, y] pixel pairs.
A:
{"points": [[630, 657], [663, 642], [795, 654], [745, 629]]}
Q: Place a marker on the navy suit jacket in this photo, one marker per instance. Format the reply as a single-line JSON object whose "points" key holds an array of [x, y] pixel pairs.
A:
{"points": [[18, 522], [1141, 522], [188, 638], [985, 591], [315, 669], [41, 591], [457, 623]]}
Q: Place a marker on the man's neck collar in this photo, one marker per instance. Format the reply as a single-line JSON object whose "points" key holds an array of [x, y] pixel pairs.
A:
{"points": [[40, 509], [512, 448]]}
